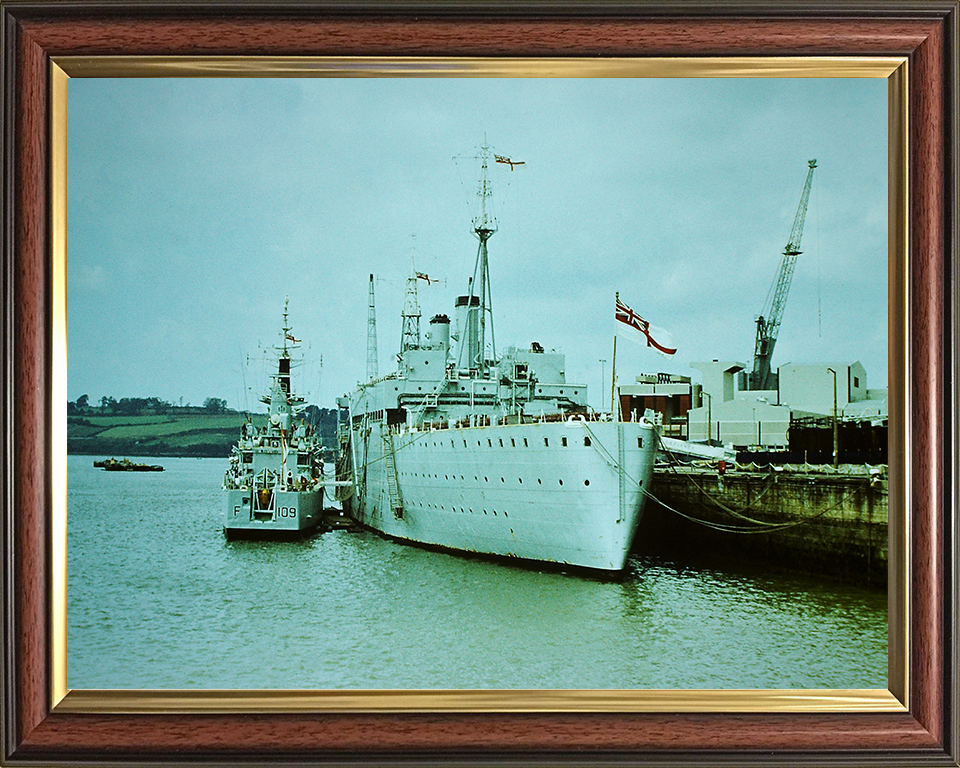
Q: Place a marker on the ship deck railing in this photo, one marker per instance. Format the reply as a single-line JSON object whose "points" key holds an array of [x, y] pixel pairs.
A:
{"points": [[478, 422]]}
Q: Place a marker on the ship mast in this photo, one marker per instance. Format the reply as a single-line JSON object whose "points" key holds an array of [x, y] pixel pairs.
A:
{"points": [[410, 335], [284, 360], [483, 227], [372, 365]]}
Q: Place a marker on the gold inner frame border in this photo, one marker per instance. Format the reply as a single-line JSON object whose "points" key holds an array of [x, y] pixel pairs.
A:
{"points": [[893, 699]]}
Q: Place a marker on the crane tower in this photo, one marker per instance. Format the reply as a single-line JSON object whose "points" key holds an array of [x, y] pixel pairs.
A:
{"points": [[768, 323]]}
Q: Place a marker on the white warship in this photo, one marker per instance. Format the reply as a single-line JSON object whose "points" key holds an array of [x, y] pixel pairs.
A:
{"points": [[465, 450], [274, 482]]}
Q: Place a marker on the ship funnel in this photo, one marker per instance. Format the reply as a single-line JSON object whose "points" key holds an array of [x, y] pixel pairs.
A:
{"points": [[468, 319], [440, 332]]}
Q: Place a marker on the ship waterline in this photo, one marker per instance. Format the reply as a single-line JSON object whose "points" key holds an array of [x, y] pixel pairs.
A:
{"points": [[568, 492]]}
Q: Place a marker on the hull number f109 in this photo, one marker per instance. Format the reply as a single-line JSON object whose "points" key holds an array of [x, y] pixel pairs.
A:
{"points": [[290, 512]]}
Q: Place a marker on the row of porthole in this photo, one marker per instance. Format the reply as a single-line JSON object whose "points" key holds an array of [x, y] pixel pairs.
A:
{"points": [[477, 478], [513, 443]]}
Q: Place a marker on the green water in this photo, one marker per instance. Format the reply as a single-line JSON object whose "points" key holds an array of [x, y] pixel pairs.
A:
{"points": [[157, 598]]}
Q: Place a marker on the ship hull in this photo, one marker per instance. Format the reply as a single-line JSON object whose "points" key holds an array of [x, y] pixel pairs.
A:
{"points": [[283, 514], [569, 492]]}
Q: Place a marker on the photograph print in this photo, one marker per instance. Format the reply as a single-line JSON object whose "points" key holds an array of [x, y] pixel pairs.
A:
{"points": [[477, 383]]}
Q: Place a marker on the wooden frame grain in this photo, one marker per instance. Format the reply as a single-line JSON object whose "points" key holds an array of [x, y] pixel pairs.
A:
{"points": [[924, 32]]}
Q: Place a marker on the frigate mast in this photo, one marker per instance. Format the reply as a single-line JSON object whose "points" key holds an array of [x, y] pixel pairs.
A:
{"points": [[483, 227], [284, 361]]}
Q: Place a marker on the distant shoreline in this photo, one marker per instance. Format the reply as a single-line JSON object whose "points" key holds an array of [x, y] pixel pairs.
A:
{"points": [[194, 435]]}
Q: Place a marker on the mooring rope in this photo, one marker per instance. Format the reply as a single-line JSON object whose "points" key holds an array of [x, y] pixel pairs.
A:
{"points": [[717, 501], [766, 528]]}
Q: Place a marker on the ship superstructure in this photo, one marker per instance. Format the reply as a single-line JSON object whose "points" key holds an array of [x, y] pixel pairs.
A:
{"points": [[468, 450], [274, 482]]}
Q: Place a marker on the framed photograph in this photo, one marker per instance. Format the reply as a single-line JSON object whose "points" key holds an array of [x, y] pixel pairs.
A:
{"points": [[115, 117]]}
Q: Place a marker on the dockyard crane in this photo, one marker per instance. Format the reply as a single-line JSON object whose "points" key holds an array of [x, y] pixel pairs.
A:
{"points": [[768, 323]]}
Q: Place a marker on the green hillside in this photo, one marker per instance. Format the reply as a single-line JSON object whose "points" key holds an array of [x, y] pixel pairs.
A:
{"points": [[194, 434], [170, 435]]}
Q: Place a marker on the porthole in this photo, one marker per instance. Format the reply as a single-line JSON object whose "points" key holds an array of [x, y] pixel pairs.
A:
{"points": [[520, 480], [639, 442], [539, 481], [506, 515], [501, 442], [563, 442], [586, 482], [561, 482], [489, 443], [502, 480], [513, 443], [586, 441], [546, 442], [525, 443]]}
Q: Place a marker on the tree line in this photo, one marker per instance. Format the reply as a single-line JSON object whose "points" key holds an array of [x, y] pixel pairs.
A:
{"points": [[141, 406]]}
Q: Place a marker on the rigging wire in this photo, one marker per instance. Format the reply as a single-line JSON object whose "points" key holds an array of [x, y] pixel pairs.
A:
{"points": [[243, 380], [819, 319]]}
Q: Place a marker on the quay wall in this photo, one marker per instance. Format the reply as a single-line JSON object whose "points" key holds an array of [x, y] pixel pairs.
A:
{"points": [[831, 524]]}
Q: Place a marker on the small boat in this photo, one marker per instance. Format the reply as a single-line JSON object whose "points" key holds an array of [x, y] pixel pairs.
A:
{"points": [[274, 482], [125, 465]]}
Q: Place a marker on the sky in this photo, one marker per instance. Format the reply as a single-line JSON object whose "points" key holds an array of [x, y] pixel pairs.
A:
{"points": [[196, 207]]}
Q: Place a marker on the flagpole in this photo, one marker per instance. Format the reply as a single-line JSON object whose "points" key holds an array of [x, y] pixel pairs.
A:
{"points": [[613, 373]]}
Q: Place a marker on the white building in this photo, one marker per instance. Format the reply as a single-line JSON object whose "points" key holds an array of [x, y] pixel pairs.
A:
{"points": [[761, 420], [809, 387], [730, 417]]}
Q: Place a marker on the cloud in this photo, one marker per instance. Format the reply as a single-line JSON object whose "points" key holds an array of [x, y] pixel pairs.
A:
{"points": [[201, 204]]}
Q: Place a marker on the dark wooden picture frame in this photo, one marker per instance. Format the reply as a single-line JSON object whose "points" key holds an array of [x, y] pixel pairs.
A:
{"points": [[35, 33]]}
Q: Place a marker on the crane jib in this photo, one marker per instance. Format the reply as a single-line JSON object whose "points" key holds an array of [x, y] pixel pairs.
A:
{"points": [[768, 323]]}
